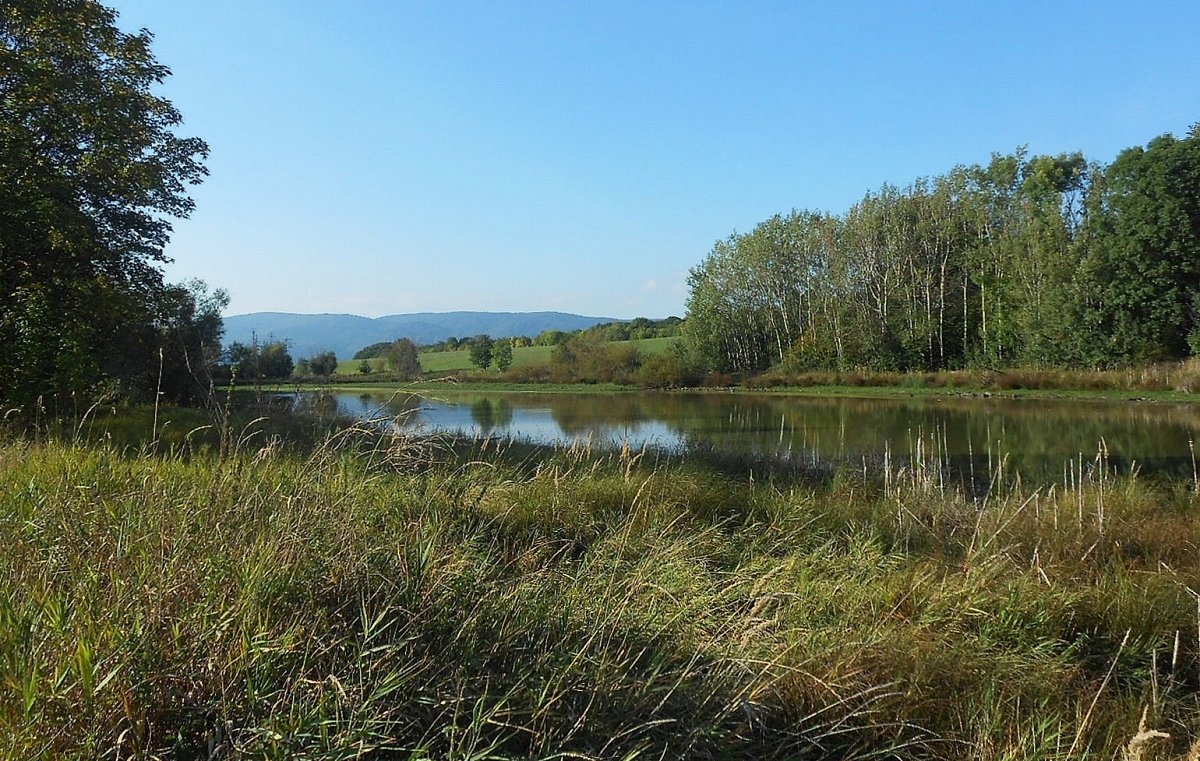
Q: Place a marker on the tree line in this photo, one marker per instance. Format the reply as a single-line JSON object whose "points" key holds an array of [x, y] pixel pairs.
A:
{"points": [[1024, 261]]}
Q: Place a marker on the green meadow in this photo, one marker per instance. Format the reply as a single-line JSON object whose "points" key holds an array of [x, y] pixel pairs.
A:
{"points": [[453, 361]]}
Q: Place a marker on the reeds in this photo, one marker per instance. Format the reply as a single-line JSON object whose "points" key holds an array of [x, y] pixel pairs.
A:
{"points": [[339, 601], [1181, 376]]}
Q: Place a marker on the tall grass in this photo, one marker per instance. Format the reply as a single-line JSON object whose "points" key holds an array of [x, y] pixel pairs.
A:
{"points": [[343, 600], [1182, 377]]}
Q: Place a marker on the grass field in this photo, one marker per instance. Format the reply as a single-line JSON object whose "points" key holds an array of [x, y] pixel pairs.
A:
{"points": [[448, 361], [451, 361], [351, 366], [351, 596]]}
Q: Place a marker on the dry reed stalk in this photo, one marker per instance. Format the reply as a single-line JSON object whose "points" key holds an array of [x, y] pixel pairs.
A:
{"points": [[1139, 742]]}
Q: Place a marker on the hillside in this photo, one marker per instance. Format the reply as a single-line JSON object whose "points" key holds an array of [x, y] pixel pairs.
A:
{"points": [[344, 334]]}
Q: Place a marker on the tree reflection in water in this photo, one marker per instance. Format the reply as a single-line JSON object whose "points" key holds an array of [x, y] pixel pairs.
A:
{"points": [[1035, 438]]}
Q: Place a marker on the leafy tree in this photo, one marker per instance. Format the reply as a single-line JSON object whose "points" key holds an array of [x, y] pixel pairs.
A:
{"points": [[502, 354], [481, 351], [364, 368], [551, 338], [93, 172], [1147, 255], [254, 362], [324, 363], [403, 359], [1025, 260], [169, 346], [275, 361], [616, 331], [641, 327]]}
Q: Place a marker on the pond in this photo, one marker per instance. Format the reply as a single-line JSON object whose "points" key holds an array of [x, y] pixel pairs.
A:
{"points": [[1041, 440]]}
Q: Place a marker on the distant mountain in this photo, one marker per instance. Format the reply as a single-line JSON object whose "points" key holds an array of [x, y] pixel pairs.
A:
{"points": [[344, 334]]}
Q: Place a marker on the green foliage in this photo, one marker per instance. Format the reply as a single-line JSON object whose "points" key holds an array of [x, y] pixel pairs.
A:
{"points": [[669, 369], [402, 358], [1025, 261], [255, 362], [502, 354], [589, 359], [1146, 257], [373, 351], [364, 367], [187, 330], [324, 363], [550, 338], [640, 328], [481, 351], [93, 173]]}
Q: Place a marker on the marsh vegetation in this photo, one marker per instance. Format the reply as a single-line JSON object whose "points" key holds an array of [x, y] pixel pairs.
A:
{"points": [[348, 595]]}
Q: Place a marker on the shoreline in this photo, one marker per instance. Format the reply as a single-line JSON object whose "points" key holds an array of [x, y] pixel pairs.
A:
{"points": [[826, 391]]}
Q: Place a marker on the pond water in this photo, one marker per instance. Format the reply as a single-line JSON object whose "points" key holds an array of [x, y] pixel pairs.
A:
{"points": [[1042, 440]]}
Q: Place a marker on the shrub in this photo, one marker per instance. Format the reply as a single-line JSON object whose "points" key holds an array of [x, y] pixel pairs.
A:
{"points": [[585, 359], [668, 370]]}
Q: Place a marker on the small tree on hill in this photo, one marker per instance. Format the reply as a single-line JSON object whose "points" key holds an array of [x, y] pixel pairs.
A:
{"points": [[403, 359], [324, 363], [502, 355], [364, 367], [481, 351], [274, 360]]}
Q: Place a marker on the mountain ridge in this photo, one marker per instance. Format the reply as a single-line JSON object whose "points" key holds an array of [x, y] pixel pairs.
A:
{"points": [[344, 334]]}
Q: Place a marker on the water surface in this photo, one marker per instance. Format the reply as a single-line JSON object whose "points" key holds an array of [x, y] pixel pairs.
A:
{"points": [[1042, 440]]}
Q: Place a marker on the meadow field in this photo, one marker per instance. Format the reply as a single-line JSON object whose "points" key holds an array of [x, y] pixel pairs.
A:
{"points": [[453, 361], [283, 587]]}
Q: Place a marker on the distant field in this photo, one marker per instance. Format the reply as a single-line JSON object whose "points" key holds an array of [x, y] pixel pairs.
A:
{"points": [[449, 361], [350, 366]]}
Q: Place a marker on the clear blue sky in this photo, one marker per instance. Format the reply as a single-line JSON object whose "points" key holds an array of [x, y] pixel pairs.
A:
{"points": [[386, 157]]}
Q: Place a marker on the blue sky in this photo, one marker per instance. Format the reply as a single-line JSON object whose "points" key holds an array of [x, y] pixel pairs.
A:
{"points": [[387, 157]]}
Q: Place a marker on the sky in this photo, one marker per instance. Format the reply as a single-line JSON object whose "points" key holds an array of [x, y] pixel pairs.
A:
{"points": [[382, 157]]}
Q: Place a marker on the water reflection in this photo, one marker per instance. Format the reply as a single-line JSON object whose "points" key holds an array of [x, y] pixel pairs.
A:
{"points": [[491, 414], [1036, 438]]}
